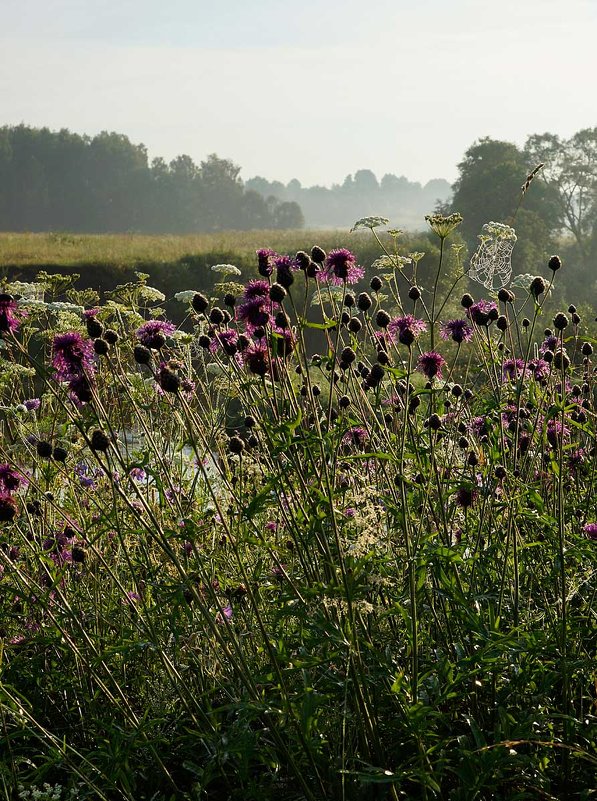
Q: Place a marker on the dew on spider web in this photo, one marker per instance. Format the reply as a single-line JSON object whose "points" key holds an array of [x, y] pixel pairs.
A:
{"points": [[491, 264]]}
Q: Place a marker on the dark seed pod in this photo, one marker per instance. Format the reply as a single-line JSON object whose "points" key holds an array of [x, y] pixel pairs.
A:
{"points": [[59, 454], [414, 293], [554, 263], [94, 328], [44, 449], [303, 260], [502, 323], [467, 301], [277, 293], [364, 302], [142, 355], [537, 286], [199, 303], [349, 300], [216, 316], [168, 380], [382, 318], [376, 283], [344, 402], [99, 441], [560, 321], [236, 445], [355, 325], [348, 355], [587, 349], [100, 346], [111, 336], [230, 300], [318, 255]]}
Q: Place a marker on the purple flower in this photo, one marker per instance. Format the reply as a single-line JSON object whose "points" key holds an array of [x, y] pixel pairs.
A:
{"points": [[430, 364], [256, 289], [10, 314], [513, 369], [227, 340], [72, 356], [549, 343], [32, 404], [407, 329], [224, 615], [153, 333], [591, 531], [457, 330], [480, 312], [341, 268], [265, 260], [540, 369], [356, 437], [10, 480], [465, 496]]}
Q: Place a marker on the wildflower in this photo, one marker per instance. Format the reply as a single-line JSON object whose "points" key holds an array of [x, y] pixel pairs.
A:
{"points": [[539, 369], [224, 615], [369, 222], [72, 356], [407, 329], [186, 296], [32, 405], [513, 369], [10, 480], [482, 312], [341, 267], [430, 364], [225, 269], [591, 531], [442, 225], [10, 314], [285, 266], [457, 330], [265, 261], [8, 508], [356, 436], [153, 333], [466, 496], [227, 340]]}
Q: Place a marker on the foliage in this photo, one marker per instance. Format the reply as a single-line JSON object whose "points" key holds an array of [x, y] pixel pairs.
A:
{"points": [[233, 568], [62, 181]]}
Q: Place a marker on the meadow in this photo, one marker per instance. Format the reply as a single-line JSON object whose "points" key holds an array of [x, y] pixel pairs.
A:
{"points": [[329, 535]]}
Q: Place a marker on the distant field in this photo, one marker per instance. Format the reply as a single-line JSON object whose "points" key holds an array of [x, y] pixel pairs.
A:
{"points": [[130, 250]]}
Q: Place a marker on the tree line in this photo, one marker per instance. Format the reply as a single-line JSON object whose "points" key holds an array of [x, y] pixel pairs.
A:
{"points": [[555, 211], [62, 181]]}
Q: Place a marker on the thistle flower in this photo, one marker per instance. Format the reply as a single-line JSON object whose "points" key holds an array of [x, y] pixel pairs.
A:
{"points": [[265, 259], [513, 369], [72, 356], [10, 314], [591, 531], [482, 312], [457, 330], [430, 364], [8, 508], [153, 333], [32, 405], [341, 267], [407, 329], [10, 480], [355, 437], [465, 496]]}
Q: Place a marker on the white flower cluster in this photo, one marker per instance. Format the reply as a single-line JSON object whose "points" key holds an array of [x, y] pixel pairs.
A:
{"points": [[369, 222], [225, 269], [186, 296]]}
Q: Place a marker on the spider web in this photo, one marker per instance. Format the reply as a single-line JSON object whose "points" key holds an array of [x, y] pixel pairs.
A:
{"points": [[491, 264]]}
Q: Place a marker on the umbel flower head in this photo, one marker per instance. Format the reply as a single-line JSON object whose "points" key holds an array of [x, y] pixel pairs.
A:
{"points": [[443, 225]]}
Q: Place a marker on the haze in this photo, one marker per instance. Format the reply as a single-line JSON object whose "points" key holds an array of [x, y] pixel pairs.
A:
{"points": [[309, 90]]}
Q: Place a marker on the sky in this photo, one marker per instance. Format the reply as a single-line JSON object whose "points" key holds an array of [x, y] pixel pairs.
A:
{"points": [[311, 89]]}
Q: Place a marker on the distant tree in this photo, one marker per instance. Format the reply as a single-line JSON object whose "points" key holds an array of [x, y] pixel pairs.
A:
{"points": [[489, 188], [288, 214], [366, 182], [570, 171]]}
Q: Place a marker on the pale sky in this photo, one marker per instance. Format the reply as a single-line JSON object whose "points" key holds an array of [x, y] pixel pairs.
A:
{"points": [[312, 89]]}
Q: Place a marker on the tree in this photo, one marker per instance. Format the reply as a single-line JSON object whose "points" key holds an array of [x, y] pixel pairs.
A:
{"points": [[489, 189], [288, 215], [570, 171]]}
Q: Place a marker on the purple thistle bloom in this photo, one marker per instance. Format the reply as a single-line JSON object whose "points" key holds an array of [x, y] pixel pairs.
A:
{"points": [[407, 329], [549, 343], [256, 289], [591, 531], [32, 405], [265, 260], [10, 314], [540, 369], [479, 312], [341, 268], [430, 364], [227, 340], [254, 312], [10, 480], [466, 496], [513, 369], [356, 436], [457, 330], [72, 356], [555, 431], [153, 333]]}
